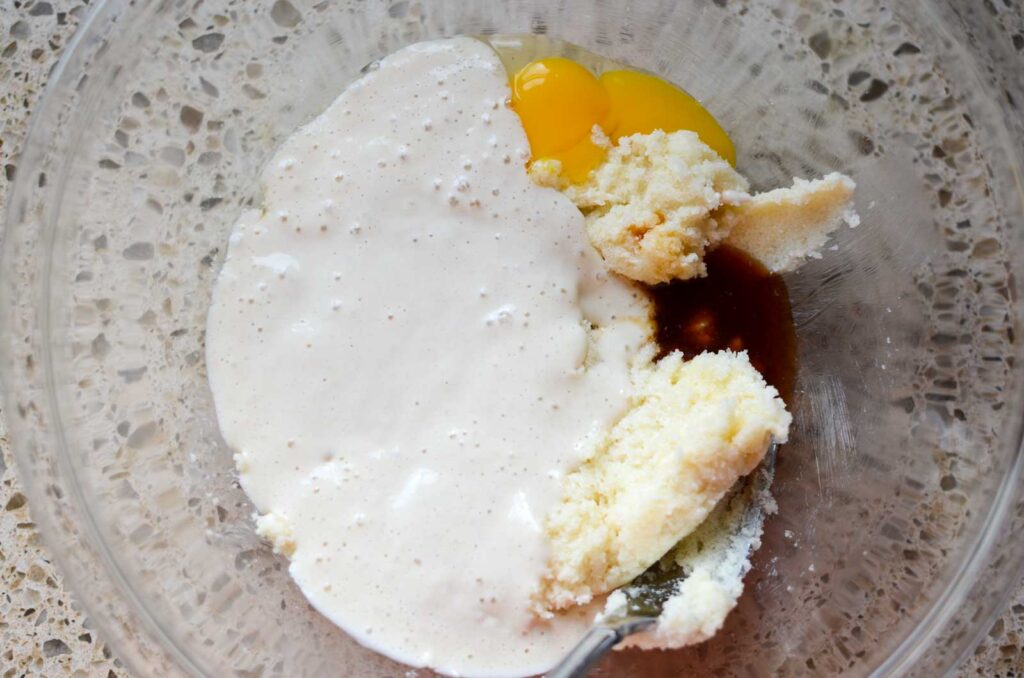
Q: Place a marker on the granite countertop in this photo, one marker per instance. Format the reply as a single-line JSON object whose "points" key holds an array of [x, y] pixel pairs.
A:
{"points": [[43, 631]]}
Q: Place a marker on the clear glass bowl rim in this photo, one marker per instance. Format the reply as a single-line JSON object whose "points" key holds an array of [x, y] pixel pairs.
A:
{"points": [[994, 542]]}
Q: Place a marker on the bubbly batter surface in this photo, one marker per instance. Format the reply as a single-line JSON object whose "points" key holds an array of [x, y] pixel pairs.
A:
{"points": [[400, 354]]}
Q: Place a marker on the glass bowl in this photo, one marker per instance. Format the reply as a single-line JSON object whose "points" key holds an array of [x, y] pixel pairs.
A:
{"points": [[897, 536]]}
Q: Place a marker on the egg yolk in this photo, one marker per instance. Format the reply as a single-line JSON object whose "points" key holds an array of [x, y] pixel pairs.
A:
{"points": [[559, 102]]}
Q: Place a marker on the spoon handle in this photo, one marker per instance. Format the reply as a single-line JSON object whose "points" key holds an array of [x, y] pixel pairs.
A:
{"points": [[592, 647]]}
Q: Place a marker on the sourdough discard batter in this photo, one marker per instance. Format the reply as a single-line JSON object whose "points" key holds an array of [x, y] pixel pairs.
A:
{"points": [[398, 353]]}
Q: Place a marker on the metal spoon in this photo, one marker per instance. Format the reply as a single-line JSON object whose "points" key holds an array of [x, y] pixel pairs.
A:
{"points": [[740, 515]]}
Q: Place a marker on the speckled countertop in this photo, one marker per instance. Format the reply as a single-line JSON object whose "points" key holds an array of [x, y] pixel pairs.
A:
{"points": [[42, 629]]}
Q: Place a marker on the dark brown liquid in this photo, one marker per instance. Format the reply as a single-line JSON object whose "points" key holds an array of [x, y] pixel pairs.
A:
{"points": [[739, 305]]}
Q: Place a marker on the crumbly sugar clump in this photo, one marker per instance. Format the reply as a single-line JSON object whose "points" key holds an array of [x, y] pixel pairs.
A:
{"points": [[661, 201], [693, 429]]}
